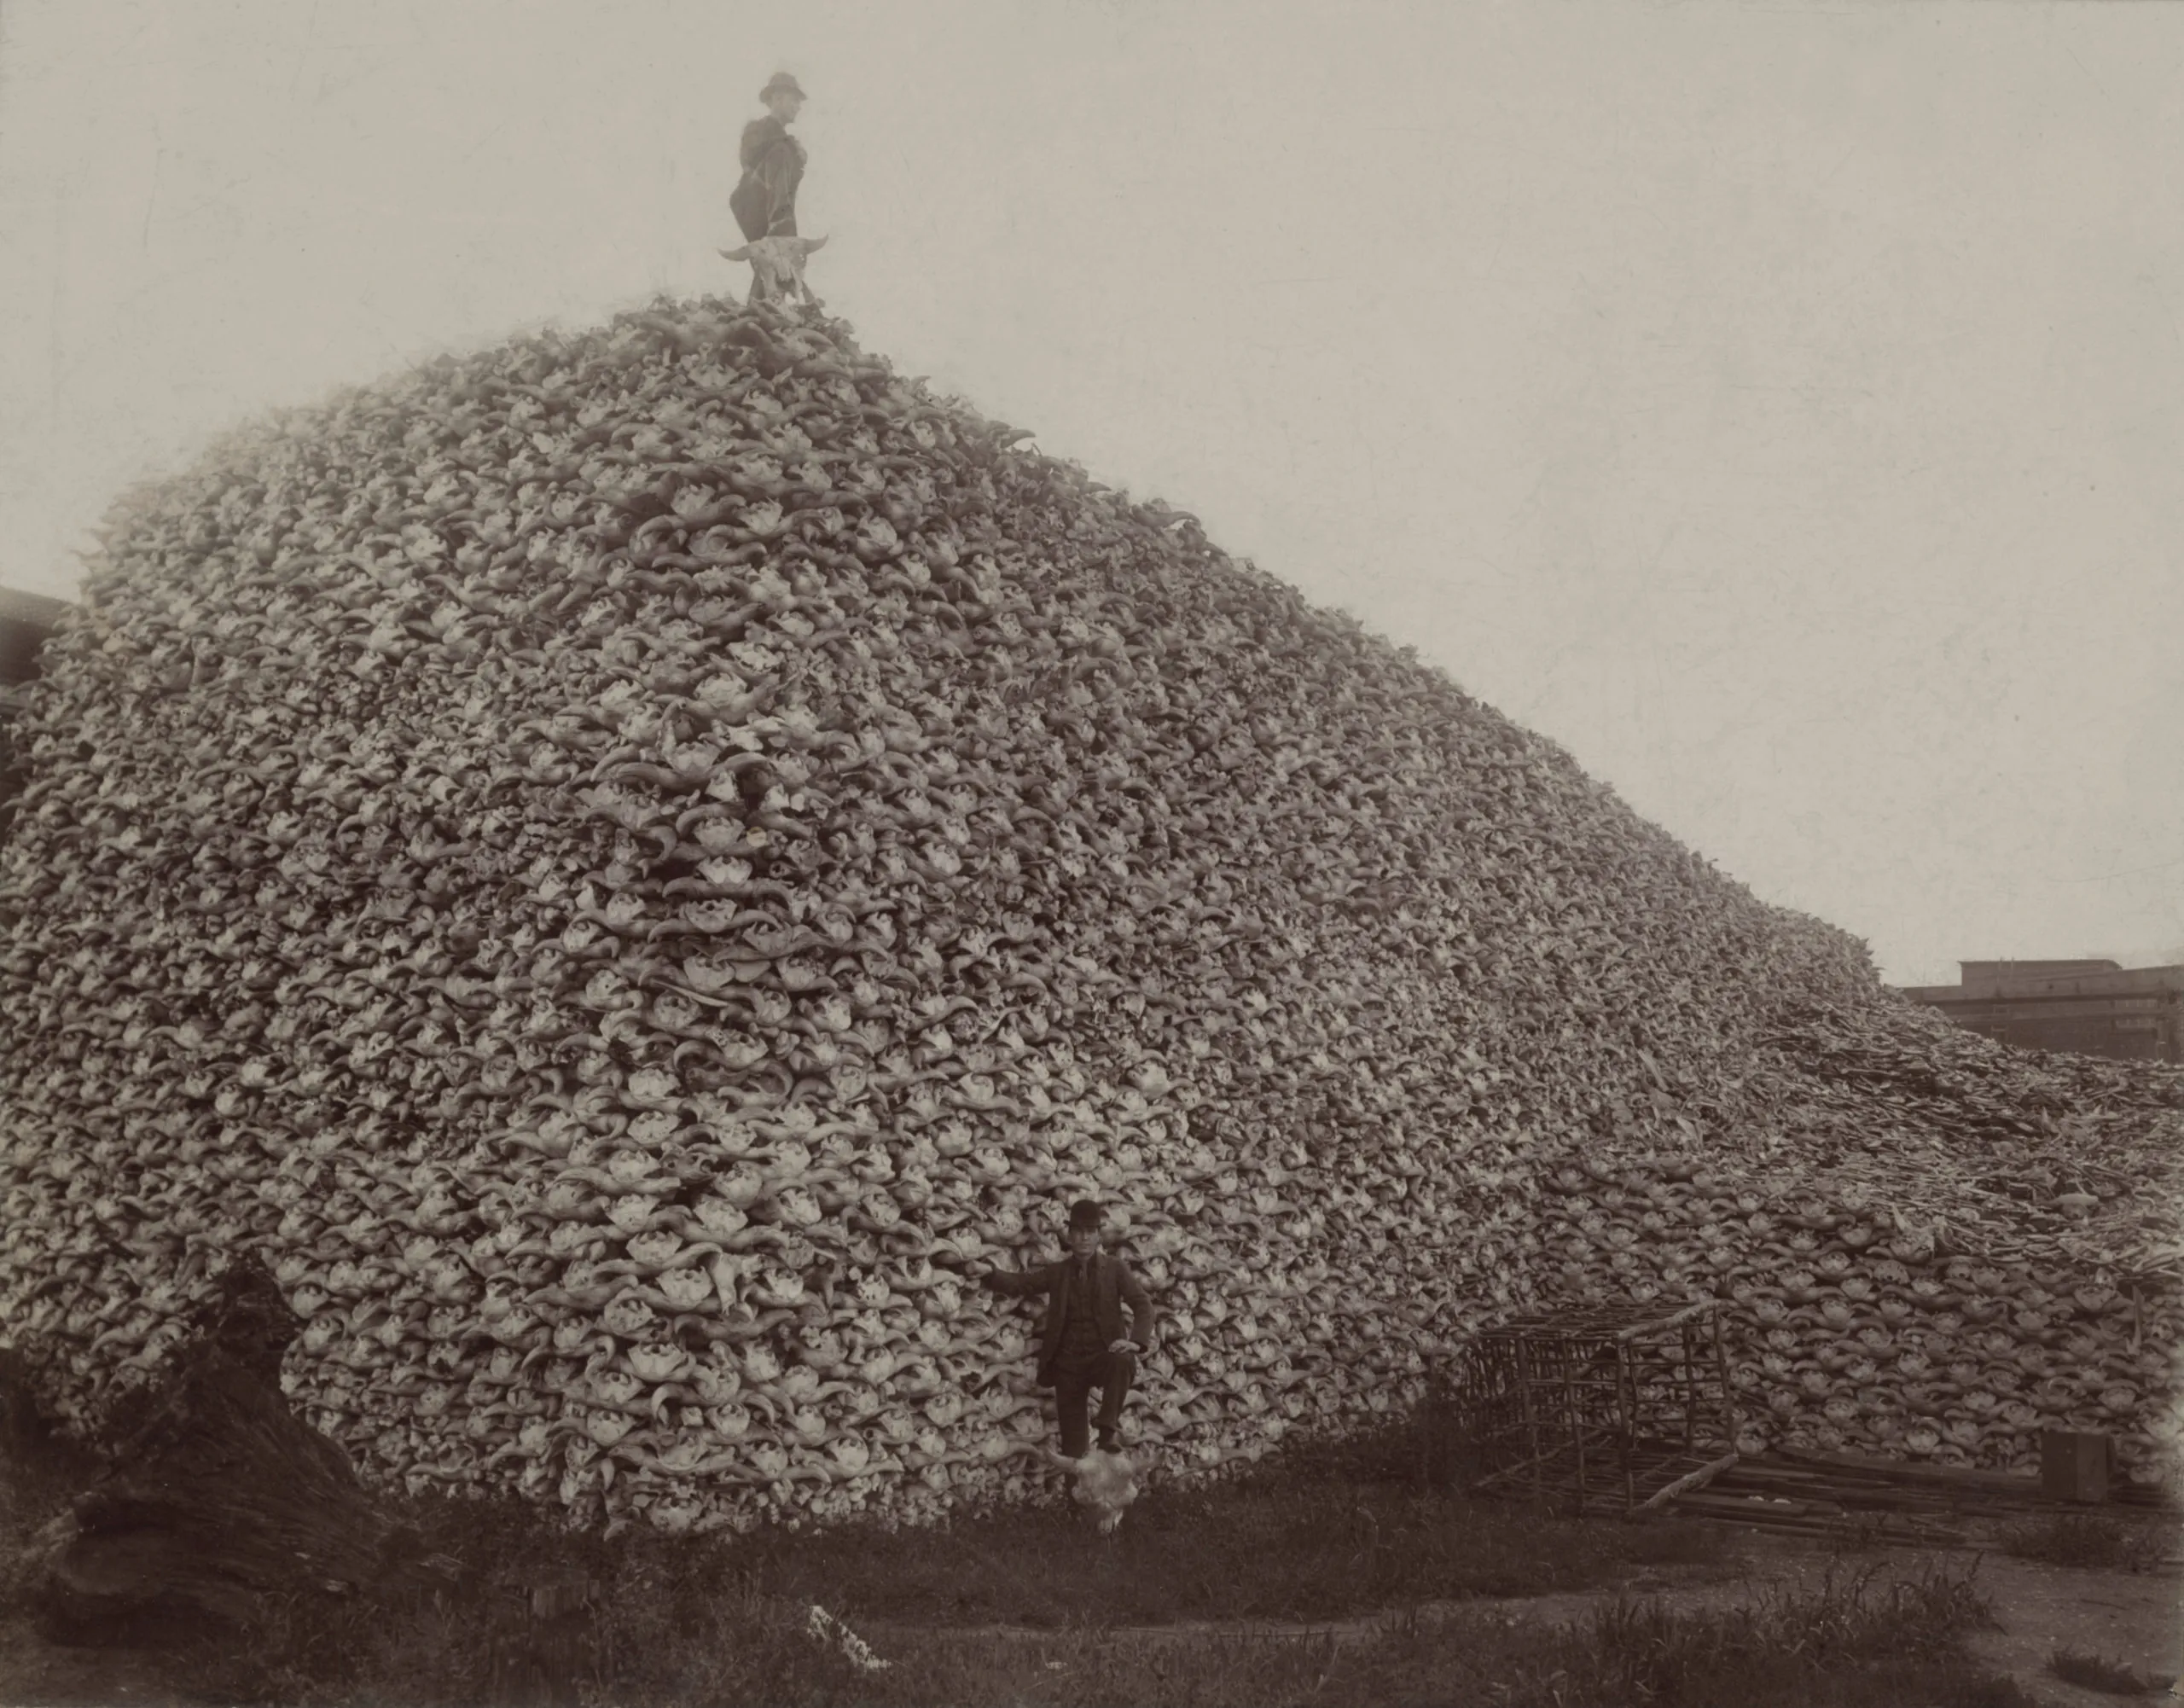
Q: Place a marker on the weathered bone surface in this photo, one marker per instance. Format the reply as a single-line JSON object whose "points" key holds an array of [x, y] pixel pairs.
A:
{"points": [[1105, 1482], [779, 263], [618, 863]]}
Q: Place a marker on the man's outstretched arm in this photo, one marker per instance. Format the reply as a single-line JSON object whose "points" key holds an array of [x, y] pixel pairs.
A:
{"points": [[1016, 1283]]}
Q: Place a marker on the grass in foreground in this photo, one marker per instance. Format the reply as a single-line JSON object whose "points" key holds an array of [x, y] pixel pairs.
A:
{"points": [[694, 1622], [1847, 1644], [1320, 1534], [1278, 1546], [2098, 1672]]}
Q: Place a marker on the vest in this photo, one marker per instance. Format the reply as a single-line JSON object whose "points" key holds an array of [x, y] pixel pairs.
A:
{"points": [[1080, 1324]]}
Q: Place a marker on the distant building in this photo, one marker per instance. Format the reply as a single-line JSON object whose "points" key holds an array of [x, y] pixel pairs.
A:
{"points": [[2090, 1008]]}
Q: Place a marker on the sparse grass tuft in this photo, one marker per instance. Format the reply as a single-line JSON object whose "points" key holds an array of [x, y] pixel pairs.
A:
{"points": [[2097, 1673]]}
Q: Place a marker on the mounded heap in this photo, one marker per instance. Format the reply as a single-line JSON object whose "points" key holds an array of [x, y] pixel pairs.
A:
{"points": [[620, 862]]}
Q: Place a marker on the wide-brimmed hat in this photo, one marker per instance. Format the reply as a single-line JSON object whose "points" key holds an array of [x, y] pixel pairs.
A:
{"points": [[782, 83]]}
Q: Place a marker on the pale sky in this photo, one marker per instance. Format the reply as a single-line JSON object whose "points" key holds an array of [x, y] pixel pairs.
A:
{"points": [[1782, 408]]}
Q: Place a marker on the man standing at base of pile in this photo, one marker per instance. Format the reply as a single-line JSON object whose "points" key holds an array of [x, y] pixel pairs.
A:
{"points": [[1082, 1345], [764, 200]]}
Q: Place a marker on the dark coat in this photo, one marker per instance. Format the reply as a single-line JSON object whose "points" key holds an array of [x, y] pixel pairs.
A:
{"points": [[1113, 1286], [764, 201]]}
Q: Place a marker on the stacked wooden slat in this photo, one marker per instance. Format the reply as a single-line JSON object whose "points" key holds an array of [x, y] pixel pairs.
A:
{"points": [[1835, 1493]]}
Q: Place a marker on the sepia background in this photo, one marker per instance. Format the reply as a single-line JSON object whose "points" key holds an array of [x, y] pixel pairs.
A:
{"points": [[1778, 407]]}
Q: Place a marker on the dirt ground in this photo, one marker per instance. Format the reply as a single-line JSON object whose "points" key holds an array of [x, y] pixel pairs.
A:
{"points": [[2137, 1620]]}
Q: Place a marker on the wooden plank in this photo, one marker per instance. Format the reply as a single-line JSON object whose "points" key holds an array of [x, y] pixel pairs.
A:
{"points": [[1882, 1496], [2076, 1465], [1895, 1469], [1884, 1485], [1689, 1482], [1708, 1500], [1690, 1313]]}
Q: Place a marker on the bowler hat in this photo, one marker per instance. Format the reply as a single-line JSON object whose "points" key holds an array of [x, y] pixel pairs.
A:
{"points": [[782, 83]]}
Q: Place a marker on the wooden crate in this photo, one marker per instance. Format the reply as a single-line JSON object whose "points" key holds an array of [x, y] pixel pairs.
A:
{"points": [[1609, 1408], [2077, 1465]]}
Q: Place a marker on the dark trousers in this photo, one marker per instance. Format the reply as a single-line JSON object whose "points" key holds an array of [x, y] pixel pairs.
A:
{"points": [[1074, 1379], [756, 215]]}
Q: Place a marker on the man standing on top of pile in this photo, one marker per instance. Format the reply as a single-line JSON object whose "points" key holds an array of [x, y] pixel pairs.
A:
{"points": [[1082, 1345], [764, 201]]}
